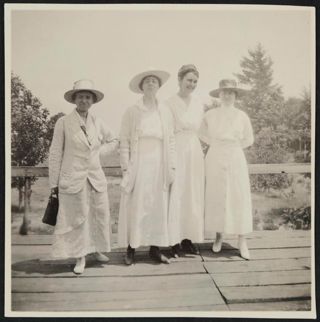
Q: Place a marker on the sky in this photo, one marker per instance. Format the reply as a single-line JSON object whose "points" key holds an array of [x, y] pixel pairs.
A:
{"points": [[52, 47]]}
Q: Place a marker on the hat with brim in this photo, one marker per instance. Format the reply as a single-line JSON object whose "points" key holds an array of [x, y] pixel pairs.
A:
{"points": [[83, 85], [135, 83], [229, 84]]}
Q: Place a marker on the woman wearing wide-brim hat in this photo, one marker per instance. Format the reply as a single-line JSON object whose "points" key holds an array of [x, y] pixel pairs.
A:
{"points": [[228, 131], [147, 158], [75, 174]]}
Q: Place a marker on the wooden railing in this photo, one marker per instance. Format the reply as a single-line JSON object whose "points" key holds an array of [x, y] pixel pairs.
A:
{"points": [[28, 172]]}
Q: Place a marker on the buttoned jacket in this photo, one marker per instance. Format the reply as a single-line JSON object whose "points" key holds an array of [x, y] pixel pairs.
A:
{"points": [[75, 153]]}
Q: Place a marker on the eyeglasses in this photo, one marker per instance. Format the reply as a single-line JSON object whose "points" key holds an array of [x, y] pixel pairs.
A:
{"points": [[83, 128]]}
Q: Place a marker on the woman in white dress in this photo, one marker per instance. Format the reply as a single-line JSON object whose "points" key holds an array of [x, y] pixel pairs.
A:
{"points": [[186, 211], [227, 197], [76, 176], [147, 159]]}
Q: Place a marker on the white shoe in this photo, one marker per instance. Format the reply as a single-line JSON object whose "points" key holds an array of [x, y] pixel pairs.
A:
{"points": [[243, 248], [80, 265], [101, 257], [217, 245]]}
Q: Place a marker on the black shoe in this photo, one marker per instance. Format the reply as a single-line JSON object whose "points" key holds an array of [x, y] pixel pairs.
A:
{"points": [[175, 250], [129, 257], [189, 247], [156, 255]]}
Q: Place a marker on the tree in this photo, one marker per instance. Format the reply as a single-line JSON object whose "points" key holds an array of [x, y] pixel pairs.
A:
{"points": [[302, 126], [264, 102], [265, 106], [297, 119], [51, 124], [29, 127]]}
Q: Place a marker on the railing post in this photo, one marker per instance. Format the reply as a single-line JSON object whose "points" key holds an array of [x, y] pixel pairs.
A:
{"points": [[25, 224]]}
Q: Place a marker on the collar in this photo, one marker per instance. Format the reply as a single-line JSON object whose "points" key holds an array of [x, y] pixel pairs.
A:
{"points": [[141, 106], [80, 118]]}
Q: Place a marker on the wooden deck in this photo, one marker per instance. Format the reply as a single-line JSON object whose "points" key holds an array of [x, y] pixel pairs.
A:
{"points": [[277, 278]]}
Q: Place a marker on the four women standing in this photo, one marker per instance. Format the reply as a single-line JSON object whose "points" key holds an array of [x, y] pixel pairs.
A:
{"points": [[162, 199]]}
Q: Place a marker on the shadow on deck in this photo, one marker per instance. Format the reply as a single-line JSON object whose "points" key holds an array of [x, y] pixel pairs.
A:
{"points": [[277, 278]]}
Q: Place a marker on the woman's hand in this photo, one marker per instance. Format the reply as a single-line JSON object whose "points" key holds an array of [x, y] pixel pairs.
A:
{"points": [[55, 192]]}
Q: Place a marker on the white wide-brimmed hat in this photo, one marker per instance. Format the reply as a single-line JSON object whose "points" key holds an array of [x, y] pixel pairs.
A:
{"points": [[228, 84], [83, 85], [135, 83]]}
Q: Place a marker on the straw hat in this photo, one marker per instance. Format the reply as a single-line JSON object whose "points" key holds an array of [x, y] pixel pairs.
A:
{"points": [[228, 84], [134, 84], [83, 85]]}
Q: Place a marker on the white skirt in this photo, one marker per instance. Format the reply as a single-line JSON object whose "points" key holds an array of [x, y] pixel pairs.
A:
{"points": [[143, 216], [186, 212], [228, 198], [82, 224]]}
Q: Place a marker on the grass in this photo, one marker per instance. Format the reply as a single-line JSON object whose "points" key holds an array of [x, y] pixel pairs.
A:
{"points": [[266, 206]]}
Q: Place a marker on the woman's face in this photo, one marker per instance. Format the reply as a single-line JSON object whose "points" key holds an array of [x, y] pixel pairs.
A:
{"points": [[227, 96], [188, 83], [150, 85], [84, 100]]}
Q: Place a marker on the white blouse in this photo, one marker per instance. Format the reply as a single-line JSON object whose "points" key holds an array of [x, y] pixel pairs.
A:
{"points": [[227, 126], [150, 124]]}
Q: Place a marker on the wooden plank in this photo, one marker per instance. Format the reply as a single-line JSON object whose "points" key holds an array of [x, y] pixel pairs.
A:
{"points": [[253, 169], [260, 235], [104, 301], [280, 168], [114, 284], [257, 265], [273, 253], [261, 243], [195, 308], [36, 268], [113, 171], [262, 278], [22, 253], [244, 294], [304, 305], [273, 234]]}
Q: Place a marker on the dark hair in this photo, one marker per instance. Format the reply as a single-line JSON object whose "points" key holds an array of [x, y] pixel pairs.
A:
{"points": [[73, 97], [142, 80], [185, 69]]}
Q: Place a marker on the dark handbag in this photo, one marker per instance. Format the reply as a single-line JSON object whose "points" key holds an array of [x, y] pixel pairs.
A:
{"points": [[50, 215]]}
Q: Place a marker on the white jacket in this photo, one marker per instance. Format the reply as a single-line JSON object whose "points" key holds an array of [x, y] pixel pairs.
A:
{"points": [[74, 158], [129, 140]]}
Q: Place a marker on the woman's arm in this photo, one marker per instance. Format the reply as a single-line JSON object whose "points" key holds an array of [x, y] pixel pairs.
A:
{"points": [[125, 134], [109, 141], [172, 140], [56, 153], [247, 139], [203, 132]]}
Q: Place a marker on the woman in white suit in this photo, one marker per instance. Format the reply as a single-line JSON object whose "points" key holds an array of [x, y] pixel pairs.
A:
{"points": [[75, 174], [147, 159]]}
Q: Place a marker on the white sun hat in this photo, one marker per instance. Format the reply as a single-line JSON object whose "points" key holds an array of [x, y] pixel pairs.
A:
{"points": [[83, 85], [135, 83]]}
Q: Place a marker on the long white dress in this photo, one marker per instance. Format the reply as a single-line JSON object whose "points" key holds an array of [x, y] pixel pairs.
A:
{"points": [[227, 199], [143, 217], [186, 210]]}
